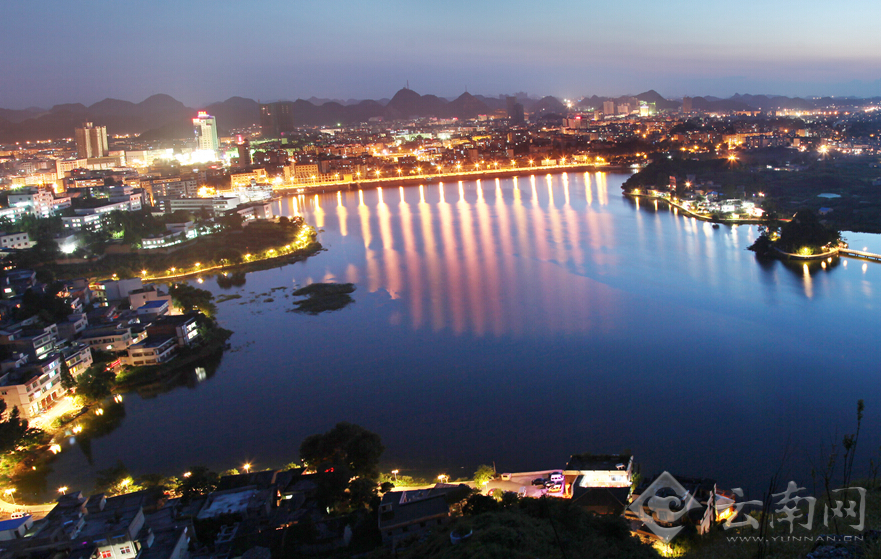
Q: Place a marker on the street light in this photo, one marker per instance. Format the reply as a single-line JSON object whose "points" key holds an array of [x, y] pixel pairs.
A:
{"points": [[62, 490], [443, 478], [395, 473], [11, 493], [247, 467]]}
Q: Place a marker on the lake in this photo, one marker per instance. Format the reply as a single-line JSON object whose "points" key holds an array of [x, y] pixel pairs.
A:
{"points": [[515, 322]]}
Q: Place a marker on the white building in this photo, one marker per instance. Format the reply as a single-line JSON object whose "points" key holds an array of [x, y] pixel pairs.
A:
{"points": [[91, 141], [37, 201], [15, 240], [205, 129], [91, 219], [218, 204]]}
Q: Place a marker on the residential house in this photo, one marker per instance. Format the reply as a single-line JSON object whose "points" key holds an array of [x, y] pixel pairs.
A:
{"points": [[77, 358], [35, 342], [33, 388], [404, 515], [152, 351], [116, 290], [153, 309], [111, 338], [139, 297], [73, 326], [16, 240], [183, 328]]}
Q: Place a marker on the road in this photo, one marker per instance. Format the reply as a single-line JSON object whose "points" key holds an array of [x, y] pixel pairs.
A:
{"points": [[37, 511]]}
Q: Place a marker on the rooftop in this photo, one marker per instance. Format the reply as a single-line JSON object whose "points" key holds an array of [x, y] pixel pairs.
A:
{"points": [[598, 462], [152, 342], [226, 502], [13, 523]]}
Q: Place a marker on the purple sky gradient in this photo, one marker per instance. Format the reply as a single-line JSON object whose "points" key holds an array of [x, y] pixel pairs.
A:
{"points": [[199, 51]]}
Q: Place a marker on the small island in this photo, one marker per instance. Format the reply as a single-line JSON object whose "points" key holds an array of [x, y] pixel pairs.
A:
{"points": [[323, 297], [802, 238]]}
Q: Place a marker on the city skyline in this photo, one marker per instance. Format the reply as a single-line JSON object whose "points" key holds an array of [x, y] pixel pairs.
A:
{"points": [[200, 53]]}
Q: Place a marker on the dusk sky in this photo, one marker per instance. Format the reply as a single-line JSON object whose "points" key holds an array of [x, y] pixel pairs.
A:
{"points": [[200, 51]]}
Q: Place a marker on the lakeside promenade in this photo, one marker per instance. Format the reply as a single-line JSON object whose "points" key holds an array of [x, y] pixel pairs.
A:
{"points": [[457, 175]]}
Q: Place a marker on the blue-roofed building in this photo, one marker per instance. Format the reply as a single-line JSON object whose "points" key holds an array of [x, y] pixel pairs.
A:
{"points": [[15, 528], [153, 309]]}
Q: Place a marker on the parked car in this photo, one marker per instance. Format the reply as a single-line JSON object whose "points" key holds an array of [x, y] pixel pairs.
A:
{"points": [[554, 487], [539, 481]]}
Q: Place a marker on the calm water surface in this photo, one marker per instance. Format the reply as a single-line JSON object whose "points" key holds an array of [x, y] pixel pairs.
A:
{"points": [[518, 322]]}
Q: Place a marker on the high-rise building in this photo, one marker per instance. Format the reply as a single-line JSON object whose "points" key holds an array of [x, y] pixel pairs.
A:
{"points": [[515, 111], [608, 107], [205, 129], [91, 141], [686, 105], [276, 118], [244, 148]]}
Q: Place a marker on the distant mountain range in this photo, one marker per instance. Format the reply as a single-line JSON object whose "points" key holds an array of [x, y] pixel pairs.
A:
{"points": [[163, 117]]}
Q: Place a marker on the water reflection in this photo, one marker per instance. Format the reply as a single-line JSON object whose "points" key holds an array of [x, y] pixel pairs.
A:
{"points": [[460, 262], [473, 256], [502, 284]]}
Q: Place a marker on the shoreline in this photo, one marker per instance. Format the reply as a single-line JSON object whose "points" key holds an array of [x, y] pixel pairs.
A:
{"points": [[293, 256], [368, 183], [700, 217]]}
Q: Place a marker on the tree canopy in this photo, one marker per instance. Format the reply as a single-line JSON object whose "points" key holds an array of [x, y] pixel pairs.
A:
{"points": [[191, 298], [805, 230], [346, 444], [527, 528], [12, 427]]}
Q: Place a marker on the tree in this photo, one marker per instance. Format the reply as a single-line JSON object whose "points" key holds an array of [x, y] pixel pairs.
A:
{"points": [[232, 221], [198, 481], [12, 428], [479, 504], [346, 444], [96, 383], [115, 480], [362, 491], [483, 474], [805, 230], [67, 380], [190, 298]]}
